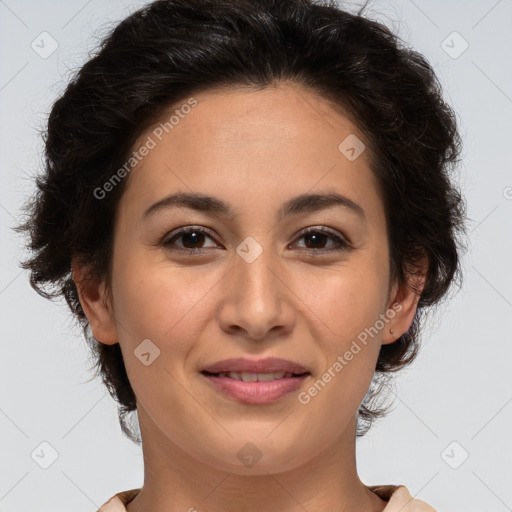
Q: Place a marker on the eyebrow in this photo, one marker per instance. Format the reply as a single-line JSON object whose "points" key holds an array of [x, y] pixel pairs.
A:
{"points": [[304, 203]]}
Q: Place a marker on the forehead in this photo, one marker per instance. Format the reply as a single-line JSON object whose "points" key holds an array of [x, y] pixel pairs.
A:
{"points": [[244, 142]]}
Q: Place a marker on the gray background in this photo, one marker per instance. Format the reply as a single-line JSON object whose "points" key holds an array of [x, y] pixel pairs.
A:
{"points": [[459, 389]]}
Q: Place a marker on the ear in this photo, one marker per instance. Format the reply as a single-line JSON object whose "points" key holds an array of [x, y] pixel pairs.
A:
{"points": [[404, 302], [95, 302]]}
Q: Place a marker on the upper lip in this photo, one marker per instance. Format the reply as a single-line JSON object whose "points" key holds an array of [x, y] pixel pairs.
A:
{"points": [[267, 365]]}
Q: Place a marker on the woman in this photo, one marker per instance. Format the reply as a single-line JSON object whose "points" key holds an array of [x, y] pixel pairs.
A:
{"points": [[248, 207]]}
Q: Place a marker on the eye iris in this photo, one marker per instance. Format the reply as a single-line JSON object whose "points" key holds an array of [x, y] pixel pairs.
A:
{"points": [[317, 239], [192, 238]]}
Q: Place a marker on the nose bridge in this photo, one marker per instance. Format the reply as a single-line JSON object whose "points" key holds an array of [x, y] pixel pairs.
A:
{"points": [[256, 266], [257, 299]]}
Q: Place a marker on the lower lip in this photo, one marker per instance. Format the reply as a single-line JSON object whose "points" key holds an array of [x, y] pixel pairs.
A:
{"points": [[256, 392]]}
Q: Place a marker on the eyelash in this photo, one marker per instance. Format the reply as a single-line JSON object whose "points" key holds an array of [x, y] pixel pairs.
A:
{"points": [[168, 242]]}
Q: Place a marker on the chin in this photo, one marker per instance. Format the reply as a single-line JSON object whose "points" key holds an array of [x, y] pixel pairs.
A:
{"points": [[258, 456]]}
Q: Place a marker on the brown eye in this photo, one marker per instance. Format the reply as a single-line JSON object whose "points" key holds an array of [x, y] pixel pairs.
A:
{"points": [[191, 239], [316, 238]]}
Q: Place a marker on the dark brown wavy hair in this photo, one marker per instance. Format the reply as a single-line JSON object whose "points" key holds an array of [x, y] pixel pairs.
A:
{"points": [[171, 49]]}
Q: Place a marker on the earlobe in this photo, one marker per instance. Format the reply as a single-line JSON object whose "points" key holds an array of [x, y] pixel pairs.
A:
{"points": [[93, 296]]}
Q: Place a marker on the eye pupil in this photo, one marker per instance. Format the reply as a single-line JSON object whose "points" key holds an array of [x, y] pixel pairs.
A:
{"points": [[316, 237], [192, 238]]}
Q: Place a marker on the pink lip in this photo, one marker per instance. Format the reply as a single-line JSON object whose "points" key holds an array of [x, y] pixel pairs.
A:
{"points": [[267, 365], [256, 392]]}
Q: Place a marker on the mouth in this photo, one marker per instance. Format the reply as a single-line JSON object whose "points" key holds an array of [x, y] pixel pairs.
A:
{"points": [[255, 381], [255, 377], [264, 367], [255, 388]]}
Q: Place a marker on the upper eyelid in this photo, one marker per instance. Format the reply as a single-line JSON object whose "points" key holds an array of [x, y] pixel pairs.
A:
{"points": [[186, 229], [304, 231]]}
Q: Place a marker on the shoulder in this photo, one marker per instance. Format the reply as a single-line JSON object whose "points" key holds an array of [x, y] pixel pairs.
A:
{"points": [[400, 499], [118, 501]]}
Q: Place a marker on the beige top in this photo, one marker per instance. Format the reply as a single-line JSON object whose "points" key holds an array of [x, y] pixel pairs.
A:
{"points": [[397, 496]]}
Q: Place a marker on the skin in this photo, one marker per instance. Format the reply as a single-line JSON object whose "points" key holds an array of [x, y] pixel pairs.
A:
{"points": [[254, 150]]}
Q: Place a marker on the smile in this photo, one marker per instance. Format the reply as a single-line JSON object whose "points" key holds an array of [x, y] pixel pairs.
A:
{"points": [[255, 388], [253, 377]]}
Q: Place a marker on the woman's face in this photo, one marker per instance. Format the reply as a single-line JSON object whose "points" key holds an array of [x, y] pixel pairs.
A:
{"points": [[247, 282]]}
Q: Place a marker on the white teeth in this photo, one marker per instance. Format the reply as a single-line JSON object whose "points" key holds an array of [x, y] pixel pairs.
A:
{"points": [[270, 376], [253, 377]]}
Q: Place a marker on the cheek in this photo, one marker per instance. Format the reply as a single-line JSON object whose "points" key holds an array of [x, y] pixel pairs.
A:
{"points": [[165, 305], [347, 301], [349, 305], [160, 302]]}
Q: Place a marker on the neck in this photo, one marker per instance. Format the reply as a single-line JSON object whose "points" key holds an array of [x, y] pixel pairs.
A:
{"points": [[175, 481]]}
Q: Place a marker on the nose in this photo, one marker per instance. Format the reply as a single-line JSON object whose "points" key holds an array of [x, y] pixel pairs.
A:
{"points": [[257, 299]]}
